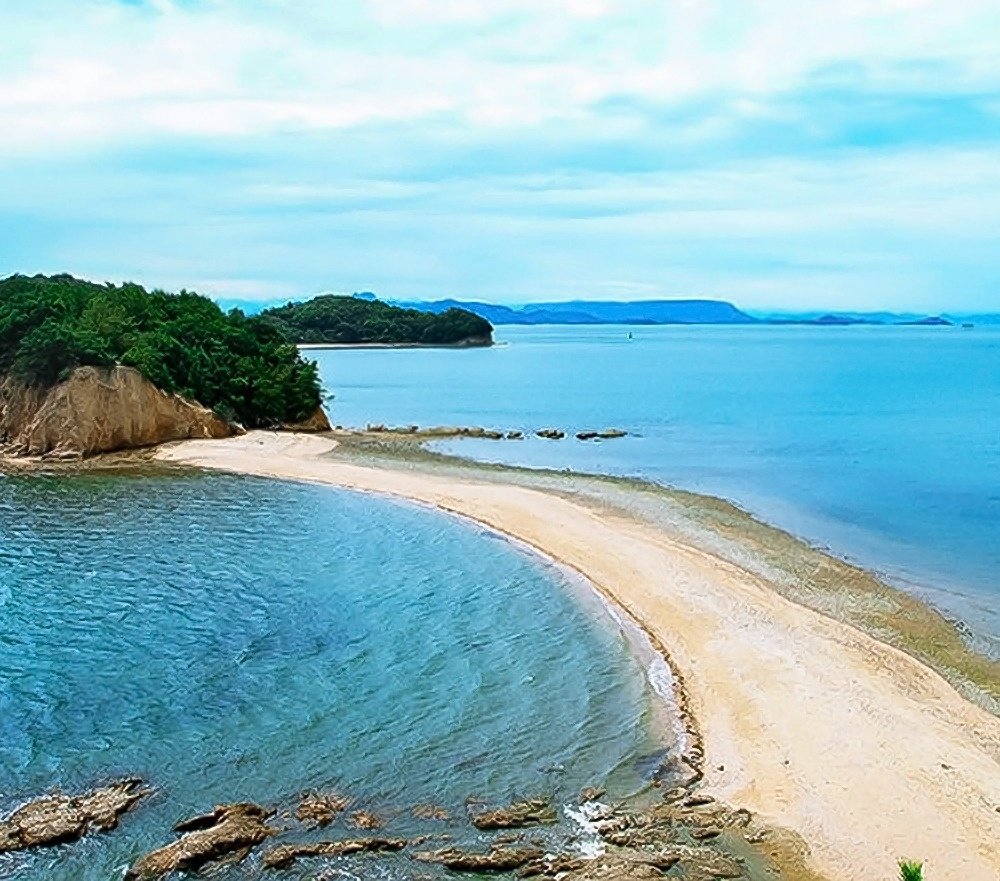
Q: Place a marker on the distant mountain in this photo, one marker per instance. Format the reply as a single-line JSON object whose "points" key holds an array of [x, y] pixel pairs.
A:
{"points": [[598, 312]]}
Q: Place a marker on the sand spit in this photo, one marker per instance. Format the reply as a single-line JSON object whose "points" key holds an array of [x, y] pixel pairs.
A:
{"points": [[815, 726]]}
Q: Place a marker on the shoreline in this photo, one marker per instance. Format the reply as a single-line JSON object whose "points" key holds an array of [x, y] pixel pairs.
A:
{"points": [[461, 345], [856, 747]]}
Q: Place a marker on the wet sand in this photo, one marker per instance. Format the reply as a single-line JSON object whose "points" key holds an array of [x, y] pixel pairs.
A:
{"points": [[797, 714]]}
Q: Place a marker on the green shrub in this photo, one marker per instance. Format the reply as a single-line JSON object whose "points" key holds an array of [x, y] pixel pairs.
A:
{"points": [[911, 871]]}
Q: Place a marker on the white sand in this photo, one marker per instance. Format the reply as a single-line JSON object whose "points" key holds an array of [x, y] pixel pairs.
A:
{"points": [[865, 752]]}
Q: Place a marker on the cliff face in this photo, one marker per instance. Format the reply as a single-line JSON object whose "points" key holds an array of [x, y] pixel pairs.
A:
{"points": [[98, 410]]}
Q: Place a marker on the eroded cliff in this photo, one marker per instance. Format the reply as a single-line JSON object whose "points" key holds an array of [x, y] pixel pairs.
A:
{"points": [[98, 410]]}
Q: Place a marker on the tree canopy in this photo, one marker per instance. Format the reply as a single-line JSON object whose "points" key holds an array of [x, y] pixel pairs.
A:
{"points": [[242, 367], [340, 319]]}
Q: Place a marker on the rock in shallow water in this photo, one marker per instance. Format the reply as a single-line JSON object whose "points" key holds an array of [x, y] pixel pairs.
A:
{"points": [[228, 831], [497, 859], [60, 818], [516, 816], [285, 855], [320, 808]]}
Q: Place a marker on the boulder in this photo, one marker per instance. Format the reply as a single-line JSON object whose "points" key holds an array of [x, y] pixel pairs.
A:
{"points": [[551, 433], [515, 435], [55, 819], [524, 813], [317, 422], [99, 410], [229, 831], [284, 856]]}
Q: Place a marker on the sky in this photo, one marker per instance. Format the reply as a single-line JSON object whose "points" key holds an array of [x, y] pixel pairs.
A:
{"points": [[779, 154]]}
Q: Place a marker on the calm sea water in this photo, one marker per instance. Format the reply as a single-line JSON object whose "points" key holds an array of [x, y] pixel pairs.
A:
{"points": [[882, 443], [231, 638]]}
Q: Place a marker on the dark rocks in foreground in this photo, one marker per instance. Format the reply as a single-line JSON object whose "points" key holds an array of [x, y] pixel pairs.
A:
{"points": [[284, 856], [228, 832], [56, 819], [551, 433], [516, 816]]}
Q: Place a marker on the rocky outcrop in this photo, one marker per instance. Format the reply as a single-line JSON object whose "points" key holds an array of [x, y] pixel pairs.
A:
{"points": [[59, 818], [98, 410], [607, 434], [315, 423], [516, 816], [285, 855], [230, 831], [551, 433]]}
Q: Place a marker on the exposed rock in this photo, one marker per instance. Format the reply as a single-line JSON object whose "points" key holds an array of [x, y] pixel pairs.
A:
{"points": [[285, 855], [551, 433], [98, 410], [320, 808], [497, 859], [611, 434], [515, 435], [586, 435], [228, 830], [59, 818], [365, 820], [524, 813], [591, 793], [430, 812], [318, 421], [375, 428], [550, 866]]}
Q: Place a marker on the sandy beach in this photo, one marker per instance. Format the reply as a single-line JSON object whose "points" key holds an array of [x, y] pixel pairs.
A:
{"points": [[865, 752]]}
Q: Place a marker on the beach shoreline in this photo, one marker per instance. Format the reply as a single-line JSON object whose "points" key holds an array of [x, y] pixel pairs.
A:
{"points": [[856, 747]]}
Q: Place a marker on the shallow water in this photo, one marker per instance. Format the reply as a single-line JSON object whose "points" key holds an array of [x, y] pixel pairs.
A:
{"points": [[231, 638], [881, 442]]}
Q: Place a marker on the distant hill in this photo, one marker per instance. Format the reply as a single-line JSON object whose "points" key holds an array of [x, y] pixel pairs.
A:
{"points": [[598, 312], [360, 319]]}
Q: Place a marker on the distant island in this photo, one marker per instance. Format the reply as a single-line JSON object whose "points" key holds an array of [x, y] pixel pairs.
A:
{"points": [[87, 368], [357, 320], [599, 312]]}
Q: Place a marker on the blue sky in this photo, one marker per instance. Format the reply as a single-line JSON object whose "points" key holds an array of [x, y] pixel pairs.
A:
{"points": [[778, 154]]}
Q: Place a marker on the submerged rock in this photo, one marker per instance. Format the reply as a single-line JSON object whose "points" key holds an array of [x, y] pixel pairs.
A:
{"points": [[497, 859], [285, 855], [365, 820], [430, 812], [320, 808], [59, 818], [230, 831], [524, 813]]}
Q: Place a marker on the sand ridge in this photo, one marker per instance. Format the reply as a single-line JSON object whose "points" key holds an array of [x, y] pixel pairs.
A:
{"points": [[866, 753]]}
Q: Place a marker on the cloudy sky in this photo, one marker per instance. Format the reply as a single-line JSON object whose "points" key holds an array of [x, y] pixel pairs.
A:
{"points": [[777, 153]]}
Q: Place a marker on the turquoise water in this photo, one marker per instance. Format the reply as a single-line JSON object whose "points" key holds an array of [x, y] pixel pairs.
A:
{"points": [[881, 443], [230, 638]]}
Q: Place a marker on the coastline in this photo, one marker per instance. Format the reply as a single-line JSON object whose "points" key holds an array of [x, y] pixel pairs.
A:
{"points": [[465, 344], [856, 747]]}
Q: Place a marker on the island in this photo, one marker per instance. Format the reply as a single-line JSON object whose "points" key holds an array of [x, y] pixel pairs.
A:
{"points": [[343, 320], [88, 368]]}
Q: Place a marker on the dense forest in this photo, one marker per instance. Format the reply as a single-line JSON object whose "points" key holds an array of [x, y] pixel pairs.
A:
{"points": [[339, 319], [243, 368]]}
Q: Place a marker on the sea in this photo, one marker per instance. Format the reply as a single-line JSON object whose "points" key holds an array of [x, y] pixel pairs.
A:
{"points": [[881, 444], [231, 638]]}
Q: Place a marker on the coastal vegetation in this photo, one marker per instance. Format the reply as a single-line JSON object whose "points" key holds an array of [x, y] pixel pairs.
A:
{"points": [[340, 319], [243, 368], [911, 871]]}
